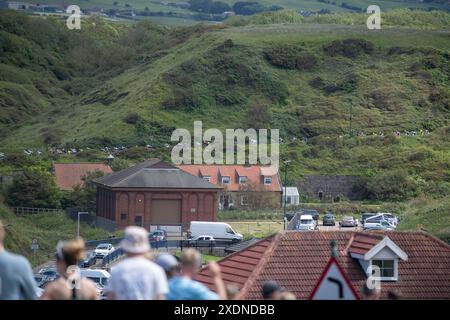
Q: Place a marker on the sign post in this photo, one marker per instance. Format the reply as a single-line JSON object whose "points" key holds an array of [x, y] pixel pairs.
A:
{"points": [[34, 247], [333, 284]]}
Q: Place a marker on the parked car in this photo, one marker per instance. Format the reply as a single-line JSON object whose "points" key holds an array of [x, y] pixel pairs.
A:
{"points": [[306, 223], [392, 219], [103, 250], [49, 274], [218, 230], [202, 240], [348, 221], [90, 260], [158, 235], [313, 212], [366, 215], [379, 218], [40, 279], [329, 219], [378, 225], [99, 276]]}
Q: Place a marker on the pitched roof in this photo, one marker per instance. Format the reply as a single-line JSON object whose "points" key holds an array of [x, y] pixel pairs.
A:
{"points": [[296, 260], [237, 267], [154, 173], [253, 174], [68, 175]]}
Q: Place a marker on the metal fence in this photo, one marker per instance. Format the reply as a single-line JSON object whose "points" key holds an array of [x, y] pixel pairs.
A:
{"points": [[113, 256], [20, 211], [217, 247]]}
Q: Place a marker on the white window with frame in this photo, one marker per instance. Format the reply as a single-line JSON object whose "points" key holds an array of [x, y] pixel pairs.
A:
{"points": [[244, 200], [388, 269], [207, 178], [242, 179], [267, 180], [225, 180]]}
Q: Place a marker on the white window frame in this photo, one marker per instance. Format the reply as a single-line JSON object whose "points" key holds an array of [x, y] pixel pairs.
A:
{"points": [[207, 178], [243, 179], [394, 278], [268, 178], [229, 179]]}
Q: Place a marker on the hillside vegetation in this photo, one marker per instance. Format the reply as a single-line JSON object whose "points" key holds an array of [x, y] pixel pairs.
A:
{"points": [[48, 229], [113, 84]]}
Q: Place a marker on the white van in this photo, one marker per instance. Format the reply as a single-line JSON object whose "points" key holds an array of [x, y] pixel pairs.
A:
{"points": [[218, 230], [306, 223], [99, 276]]}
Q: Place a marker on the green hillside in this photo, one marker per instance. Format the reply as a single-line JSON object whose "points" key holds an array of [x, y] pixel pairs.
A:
{"points": [[113, 84], [48, 229]]}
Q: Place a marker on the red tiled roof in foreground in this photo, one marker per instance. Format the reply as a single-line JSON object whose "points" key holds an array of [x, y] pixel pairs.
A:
{"points": [[254, 174], [363, 242], [296, 260], [237, 267], [68, 175]]}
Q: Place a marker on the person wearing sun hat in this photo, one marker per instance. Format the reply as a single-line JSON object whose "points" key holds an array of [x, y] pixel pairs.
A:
{"points": [[136, 277]]}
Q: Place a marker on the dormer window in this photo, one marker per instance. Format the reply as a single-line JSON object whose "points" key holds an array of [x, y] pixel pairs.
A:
{"points": [[242, 179], [225, 180], [207, 178], [387, 268], [377, 253], [267, 180]]}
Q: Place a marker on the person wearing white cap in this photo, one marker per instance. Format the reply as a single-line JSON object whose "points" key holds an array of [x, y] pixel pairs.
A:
{"points": [[136, 277]]}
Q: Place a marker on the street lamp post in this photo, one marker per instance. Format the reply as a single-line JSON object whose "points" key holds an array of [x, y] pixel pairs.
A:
{"points": [[286, 162], [78, 224]]}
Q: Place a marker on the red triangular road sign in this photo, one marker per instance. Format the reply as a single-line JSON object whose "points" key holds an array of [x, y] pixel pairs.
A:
{"points": [[333, 284]]}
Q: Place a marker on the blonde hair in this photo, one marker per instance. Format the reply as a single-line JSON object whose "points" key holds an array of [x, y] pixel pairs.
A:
{"points": [[190, 258], [70, 252], [2, 232]]}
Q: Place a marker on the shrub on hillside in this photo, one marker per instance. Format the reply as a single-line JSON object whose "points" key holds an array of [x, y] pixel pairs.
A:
{"points": [[290, 57], [131, 118], [391, 186], [349, 48], [33, 188]]}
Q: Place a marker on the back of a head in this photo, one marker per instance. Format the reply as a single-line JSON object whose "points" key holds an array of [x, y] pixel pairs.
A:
{"points": [[70, 252], [190, 259], [2, 232]]}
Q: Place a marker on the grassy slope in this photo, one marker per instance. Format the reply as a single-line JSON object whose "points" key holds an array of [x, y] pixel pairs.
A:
{"points": [[148, 89], [47, 228], [431, 214]]}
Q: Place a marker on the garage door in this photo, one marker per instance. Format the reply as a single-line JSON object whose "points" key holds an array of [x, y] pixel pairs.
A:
{"points": [[166, 212]]}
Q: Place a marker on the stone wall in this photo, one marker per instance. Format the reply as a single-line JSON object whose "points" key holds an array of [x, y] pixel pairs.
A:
{"points": [[328, 188]]}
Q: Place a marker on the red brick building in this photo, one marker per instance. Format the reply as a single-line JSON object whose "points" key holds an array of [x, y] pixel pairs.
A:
{"points": [[155, 193], [246, 187], [413, 264], [68, 175]]}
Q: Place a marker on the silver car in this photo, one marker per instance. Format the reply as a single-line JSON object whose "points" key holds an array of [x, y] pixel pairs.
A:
{"points": [[348, 221]]}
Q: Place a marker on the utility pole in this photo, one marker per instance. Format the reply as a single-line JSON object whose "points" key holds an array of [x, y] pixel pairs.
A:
{"points": [[78, 224], [286, 162]]}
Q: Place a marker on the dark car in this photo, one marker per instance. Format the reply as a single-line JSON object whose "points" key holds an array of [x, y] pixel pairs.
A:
{"points": [[313, 212], [158, 235], [329, 219], [90, 260]]}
